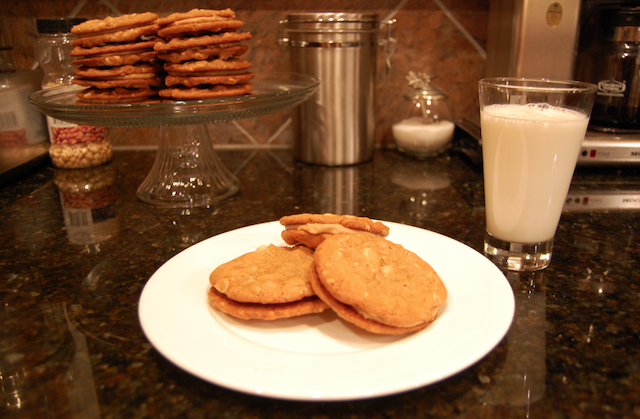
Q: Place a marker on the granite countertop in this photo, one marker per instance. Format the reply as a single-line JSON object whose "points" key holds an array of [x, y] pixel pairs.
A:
{"points": [[72, 347]]}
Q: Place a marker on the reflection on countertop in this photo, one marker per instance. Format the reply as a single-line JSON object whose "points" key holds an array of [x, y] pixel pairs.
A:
{"points": [[78, 248], [19, 159]]}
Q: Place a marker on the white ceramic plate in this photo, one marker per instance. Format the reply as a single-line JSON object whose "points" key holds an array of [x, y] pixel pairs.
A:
{"points": [[320, 357]]}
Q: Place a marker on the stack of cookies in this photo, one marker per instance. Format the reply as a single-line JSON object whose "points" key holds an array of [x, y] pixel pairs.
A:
{"points": [[340, 262], [202, 50], [136, 57], [116, 58]]}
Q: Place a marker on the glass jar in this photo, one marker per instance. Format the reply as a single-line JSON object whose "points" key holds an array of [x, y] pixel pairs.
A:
{"points": [[72, 146], [426, 130], [22, 126]]}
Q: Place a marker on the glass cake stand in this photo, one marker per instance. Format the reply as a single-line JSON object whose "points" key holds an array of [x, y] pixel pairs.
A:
{"points": [[187, 171]]}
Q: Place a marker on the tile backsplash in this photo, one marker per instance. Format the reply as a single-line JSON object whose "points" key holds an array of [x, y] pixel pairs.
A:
{"points": [[443, 38]]}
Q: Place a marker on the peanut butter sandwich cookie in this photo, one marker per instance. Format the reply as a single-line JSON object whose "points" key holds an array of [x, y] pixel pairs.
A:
{"points": [[94, 95], [269, 283], [125, 28], [197, 22], [205, 41], [313, 229], [376, 284], [201, 50], [137, 75], [230, 71], [112, 55]]}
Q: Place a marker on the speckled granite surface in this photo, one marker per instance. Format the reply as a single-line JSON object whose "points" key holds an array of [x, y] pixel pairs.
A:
{"points": [[71, 345]]}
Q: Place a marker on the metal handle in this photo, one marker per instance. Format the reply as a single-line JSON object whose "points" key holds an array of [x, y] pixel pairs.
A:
{"points": [[281, 39], [390, 43]]}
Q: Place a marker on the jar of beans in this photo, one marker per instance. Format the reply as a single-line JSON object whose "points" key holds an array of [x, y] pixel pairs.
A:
{"points": [[72, 146]]}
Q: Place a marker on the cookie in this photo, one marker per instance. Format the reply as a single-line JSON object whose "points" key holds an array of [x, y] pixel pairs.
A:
{"points": [[232, 63], [113, 23], [142, 70], [138, 75], [111, 55], [126, 81], [218, 90], [222, 51], [350, 315], [117, 60], [376, 284], [123, 35], [136, 46], [309, 305], [196, 74], [199, 28], [269, 275], [269, 283], [177, 44], [193, 81], [93, 95], [194, 14], [312, 229]]}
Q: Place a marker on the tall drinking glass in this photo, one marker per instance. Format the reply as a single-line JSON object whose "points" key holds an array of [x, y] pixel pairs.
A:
{"points": [[532, 131]]}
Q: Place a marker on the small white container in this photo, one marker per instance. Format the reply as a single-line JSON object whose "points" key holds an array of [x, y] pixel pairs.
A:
{"points": [[427, 130]]}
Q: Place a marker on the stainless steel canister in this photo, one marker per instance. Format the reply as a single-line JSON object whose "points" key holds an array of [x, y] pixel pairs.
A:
{"points": [[336, 126]]}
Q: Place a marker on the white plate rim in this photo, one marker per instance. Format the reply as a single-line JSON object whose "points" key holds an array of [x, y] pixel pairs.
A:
{"points": [[176, 318]]}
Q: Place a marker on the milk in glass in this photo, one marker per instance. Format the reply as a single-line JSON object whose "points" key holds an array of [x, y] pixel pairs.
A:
{"points": [[530, 153]]}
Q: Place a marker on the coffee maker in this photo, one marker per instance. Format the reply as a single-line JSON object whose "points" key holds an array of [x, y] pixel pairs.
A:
{"points": [[557, 40]]}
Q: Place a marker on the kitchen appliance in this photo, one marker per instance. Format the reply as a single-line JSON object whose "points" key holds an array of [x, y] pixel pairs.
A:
{"points": [[550, 39], [611, 60]]}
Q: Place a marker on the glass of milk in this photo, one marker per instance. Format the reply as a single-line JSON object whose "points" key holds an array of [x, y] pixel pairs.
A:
{"points": [[532, 131]]}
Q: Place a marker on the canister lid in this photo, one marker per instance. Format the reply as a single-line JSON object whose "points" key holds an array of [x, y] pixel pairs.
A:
{"points": [[339, 29], [61, 25], [332, 17]]}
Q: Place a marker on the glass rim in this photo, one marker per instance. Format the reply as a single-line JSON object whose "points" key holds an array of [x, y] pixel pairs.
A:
{"points": [[538, 84]]}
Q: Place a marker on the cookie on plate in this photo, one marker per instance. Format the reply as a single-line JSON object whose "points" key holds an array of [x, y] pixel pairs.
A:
{"points": [[376, 284], [254, 311], [312, 229], [271, 282]]}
